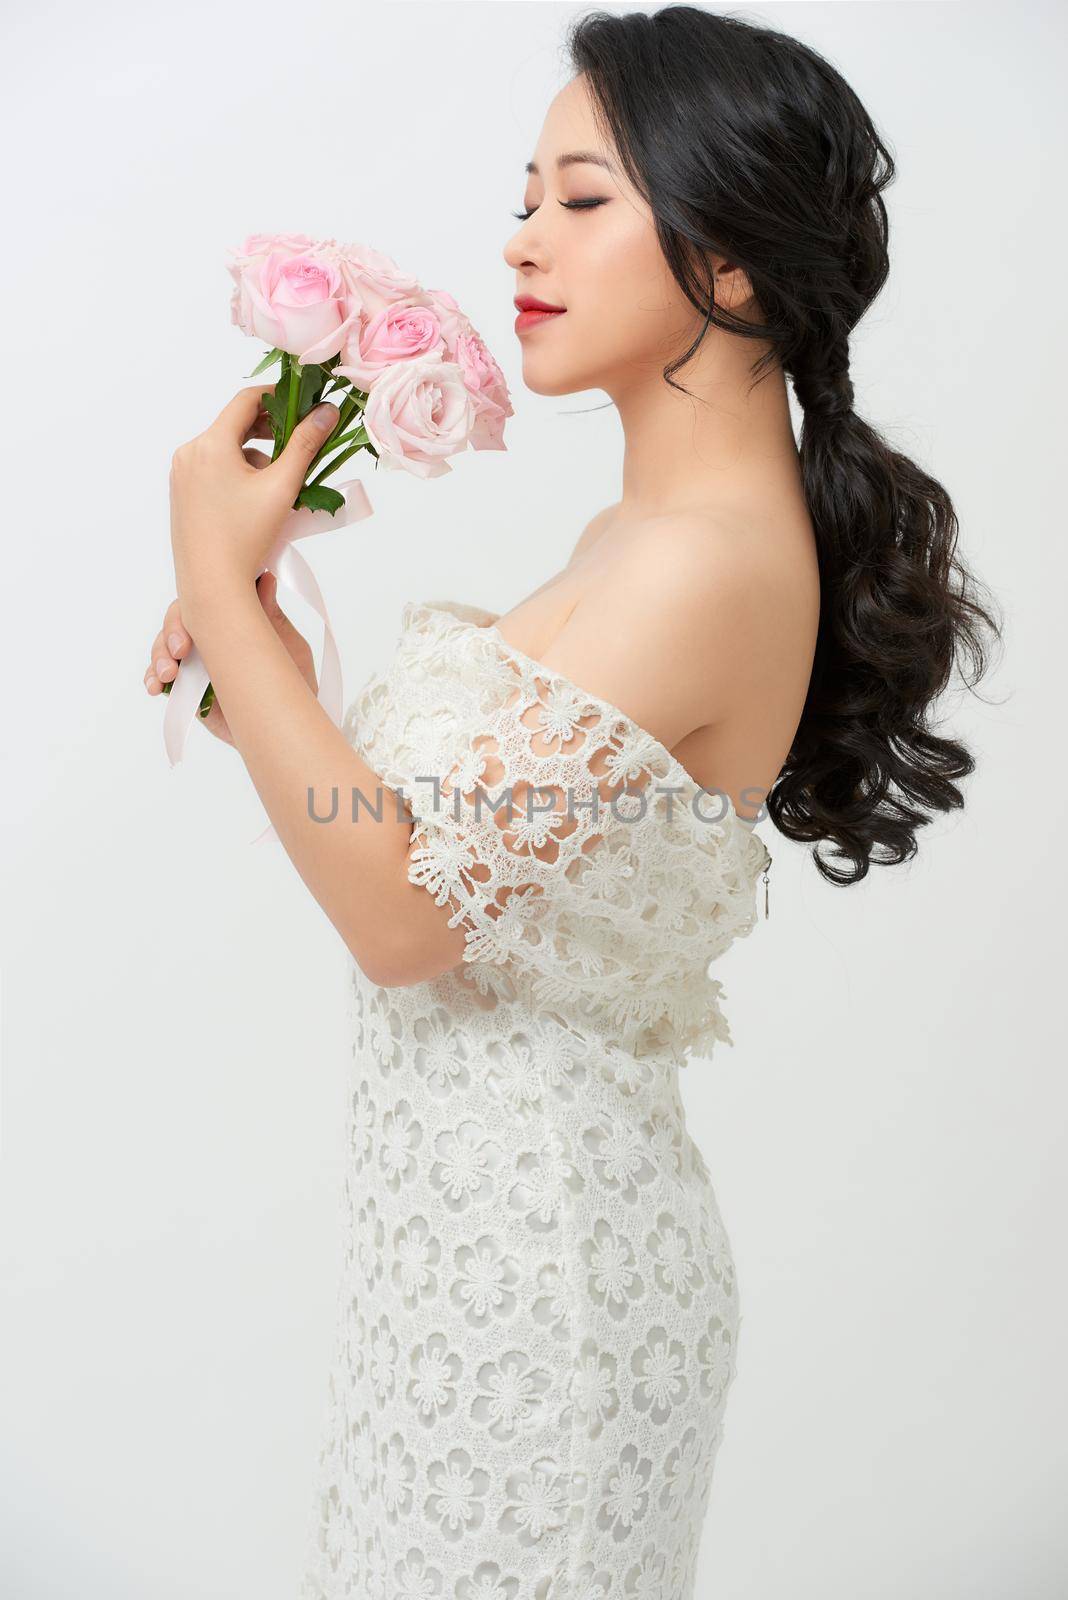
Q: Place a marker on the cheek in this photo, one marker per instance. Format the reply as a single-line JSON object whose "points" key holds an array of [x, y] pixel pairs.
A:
{"points": [[631, 293]]}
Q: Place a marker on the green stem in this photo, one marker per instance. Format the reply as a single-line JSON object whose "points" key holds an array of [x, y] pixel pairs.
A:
{"points": [[335, 442], [352, 403], [293, 405], [344, 456], [346, 410]]}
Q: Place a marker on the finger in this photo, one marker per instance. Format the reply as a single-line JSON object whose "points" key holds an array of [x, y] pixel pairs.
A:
{"points": [[267, 589], [173, 639], [305, 442], [164, 667], [256, 458], [234, 420], [262, 428]]}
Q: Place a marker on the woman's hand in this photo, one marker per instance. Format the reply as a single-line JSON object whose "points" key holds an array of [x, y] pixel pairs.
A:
{"points": [[228, 504], [173, 643]]}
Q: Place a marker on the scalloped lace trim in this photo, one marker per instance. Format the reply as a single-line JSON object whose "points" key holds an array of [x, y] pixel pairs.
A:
{"points": [[609, 905]]}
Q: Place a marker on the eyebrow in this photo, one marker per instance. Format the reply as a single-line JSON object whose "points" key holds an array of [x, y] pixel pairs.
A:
{"points": [[575, 158]]}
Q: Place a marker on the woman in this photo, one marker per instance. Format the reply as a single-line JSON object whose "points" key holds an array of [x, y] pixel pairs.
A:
{"points": [[537, 1314]]}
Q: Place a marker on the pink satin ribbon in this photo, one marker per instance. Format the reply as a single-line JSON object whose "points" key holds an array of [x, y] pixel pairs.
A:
{"points": [[294, 574]]}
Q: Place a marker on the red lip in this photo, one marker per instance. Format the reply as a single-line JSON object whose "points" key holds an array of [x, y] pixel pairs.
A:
{"points": [[533, 311]]}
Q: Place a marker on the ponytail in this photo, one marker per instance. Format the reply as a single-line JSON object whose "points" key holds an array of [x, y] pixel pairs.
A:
{"points": [[866, 763], [749, 144]]}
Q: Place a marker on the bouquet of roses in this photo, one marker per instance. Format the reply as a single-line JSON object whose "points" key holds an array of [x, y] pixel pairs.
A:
{"points": [[413, 381]]}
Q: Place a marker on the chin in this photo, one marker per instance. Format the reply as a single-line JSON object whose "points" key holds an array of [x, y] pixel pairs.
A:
{"points": [[555, 377]]}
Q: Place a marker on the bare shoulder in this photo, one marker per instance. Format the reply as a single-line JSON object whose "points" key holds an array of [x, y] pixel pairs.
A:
{"points": [[593, 530], [665, 630]]}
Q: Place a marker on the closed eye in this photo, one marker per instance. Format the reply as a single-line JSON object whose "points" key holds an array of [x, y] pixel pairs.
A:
{"points": [[569, 205]]}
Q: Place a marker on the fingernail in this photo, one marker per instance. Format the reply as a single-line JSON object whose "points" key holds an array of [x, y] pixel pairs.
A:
{"points": [[174, 643], [325, 417]]}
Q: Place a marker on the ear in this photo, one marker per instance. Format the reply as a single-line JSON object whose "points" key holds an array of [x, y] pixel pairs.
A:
{"points": [[734, 292]]}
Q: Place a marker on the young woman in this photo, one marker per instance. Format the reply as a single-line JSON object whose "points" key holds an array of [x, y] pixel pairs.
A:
{"points": [[538, 1312]]}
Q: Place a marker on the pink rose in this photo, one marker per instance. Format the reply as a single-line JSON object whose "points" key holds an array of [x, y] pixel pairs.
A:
{"points": [[481, 374], [404, 330], [254, 249], [293, 301], [448, 313], [371, 278], [419, 412], [488, 389], [261, 244]]}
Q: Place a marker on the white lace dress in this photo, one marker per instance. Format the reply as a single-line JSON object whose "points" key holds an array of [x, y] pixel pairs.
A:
{"points": [[537, 1314]]}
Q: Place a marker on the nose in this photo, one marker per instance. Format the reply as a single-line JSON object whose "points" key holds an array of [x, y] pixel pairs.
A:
{"points": [[517, 251]]}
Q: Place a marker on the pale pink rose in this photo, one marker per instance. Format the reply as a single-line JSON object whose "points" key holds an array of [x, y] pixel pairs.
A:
{"points": [[296, 303], [255, 248], [261, 244], [482, 375], [488, 430], [404, 330], [372, 278], [452, 320], [488, 388], [419, 412]]}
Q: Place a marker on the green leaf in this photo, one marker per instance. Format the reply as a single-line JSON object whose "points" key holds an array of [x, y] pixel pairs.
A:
{"points": [[275, 407], [342, 438], [281, 388], [268, 361], [313, 381], [317, 497]]}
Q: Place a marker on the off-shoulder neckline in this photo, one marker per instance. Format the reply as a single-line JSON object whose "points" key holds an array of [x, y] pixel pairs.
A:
{"points": [[453, 609]]}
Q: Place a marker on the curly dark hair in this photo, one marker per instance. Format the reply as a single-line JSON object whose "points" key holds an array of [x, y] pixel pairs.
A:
{"points": [[746, 142]]}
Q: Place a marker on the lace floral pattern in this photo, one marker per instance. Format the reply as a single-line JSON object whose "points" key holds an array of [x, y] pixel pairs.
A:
{"points": [[537, 1312], [614, 882]]}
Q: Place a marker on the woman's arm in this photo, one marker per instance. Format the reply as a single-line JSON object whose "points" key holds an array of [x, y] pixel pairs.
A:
{"points": [[349, 835], [659, 668], [299, 762], [228, 505]]}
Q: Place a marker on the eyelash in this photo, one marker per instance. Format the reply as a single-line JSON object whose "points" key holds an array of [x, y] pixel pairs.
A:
{"points": [[570, 205]]}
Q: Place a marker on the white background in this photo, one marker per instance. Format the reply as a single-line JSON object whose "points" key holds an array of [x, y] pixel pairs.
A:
{"points": [[887, 1135]]}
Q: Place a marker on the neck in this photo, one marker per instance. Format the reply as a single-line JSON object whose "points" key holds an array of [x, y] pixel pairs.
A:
{"points": [[731, 442]]}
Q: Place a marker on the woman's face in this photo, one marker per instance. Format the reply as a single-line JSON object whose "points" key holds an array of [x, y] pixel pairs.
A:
{"points": [[624, 316]]}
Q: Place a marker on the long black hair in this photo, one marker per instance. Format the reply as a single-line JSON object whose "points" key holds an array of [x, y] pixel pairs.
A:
{"points": [[746, 142]]}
